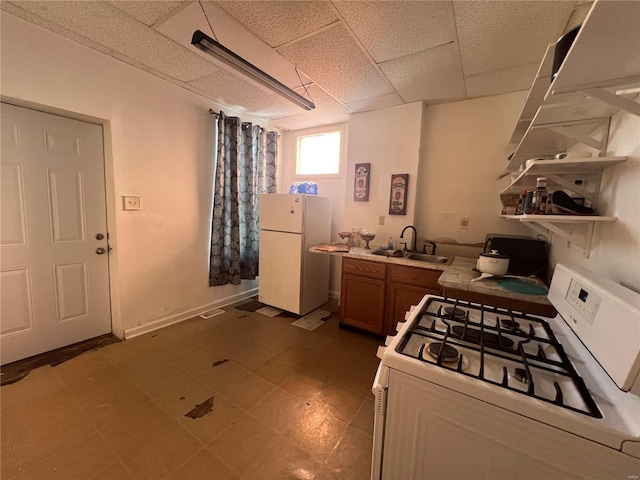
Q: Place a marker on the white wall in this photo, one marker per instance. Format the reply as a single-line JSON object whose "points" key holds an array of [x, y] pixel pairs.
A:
{"points": [[464, 150], [615, 251], [159, 144], [388, 139]]}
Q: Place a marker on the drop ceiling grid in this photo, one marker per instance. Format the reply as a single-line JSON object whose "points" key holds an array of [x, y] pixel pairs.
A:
{"points": [[388, 32], [334, 60], [148, 12], [498, 35], [278, 22], [328, 109], [431, 75], [232, 34], [117, 31], [501, 81], [375, 103]]}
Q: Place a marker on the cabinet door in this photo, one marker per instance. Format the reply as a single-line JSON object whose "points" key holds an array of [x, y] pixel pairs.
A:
{"points": [[399, 299], [362, 300]]}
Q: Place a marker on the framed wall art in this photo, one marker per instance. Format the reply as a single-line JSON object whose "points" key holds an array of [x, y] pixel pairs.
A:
{"points": [[361, 182], [398, 200]]}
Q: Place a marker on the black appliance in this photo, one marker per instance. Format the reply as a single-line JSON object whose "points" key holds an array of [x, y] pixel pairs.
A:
{"points": [[527, 256]]}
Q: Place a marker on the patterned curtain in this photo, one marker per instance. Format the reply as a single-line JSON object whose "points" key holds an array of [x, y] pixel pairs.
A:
{"points": [[245, 168]]}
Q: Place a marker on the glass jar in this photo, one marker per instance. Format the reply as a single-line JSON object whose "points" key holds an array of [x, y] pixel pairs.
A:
{"points": [[539, 200], [354, 239]]}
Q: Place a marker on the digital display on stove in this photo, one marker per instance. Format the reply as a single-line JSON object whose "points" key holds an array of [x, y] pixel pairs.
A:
{"points": [[583, 294]]}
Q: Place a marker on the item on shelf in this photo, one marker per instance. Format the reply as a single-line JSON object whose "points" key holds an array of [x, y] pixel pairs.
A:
{"points": [[560, 203], [562, 48], [520, 204], [540, 196], [528, 203]]}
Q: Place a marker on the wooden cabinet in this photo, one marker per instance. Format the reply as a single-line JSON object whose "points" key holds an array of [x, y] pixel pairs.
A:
{"points": [[362, 295], [406, 286], [375, 295]]}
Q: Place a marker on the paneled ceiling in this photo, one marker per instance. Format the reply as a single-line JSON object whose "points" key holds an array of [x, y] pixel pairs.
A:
{"points": [[352, 56]]}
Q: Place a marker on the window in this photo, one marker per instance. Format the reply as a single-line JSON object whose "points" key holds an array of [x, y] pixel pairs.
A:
{"points": [[319, 154]]}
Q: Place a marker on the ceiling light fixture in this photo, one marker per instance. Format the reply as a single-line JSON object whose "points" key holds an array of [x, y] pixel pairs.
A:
{"points": [[248, 70]]}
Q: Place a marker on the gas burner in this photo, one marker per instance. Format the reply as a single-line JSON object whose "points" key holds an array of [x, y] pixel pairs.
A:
{"points": [[454, 313], [509, 324], [449, 354], [520, 374]]}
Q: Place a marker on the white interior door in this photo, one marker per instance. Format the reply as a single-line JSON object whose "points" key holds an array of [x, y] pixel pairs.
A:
{"points": [[54, 278]]}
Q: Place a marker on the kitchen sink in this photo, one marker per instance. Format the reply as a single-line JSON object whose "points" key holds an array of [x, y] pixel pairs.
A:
{"points": [[420, 257], [425, 257]]}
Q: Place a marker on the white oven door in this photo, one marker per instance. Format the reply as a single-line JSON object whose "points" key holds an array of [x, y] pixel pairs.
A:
{"points": [[379, 390], [432, 432]]}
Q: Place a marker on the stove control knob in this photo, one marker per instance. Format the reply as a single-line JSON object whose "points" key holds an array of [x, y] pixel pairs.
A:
{"points": [[380, 352], [388, 340], [407, 315], [399, 326]]}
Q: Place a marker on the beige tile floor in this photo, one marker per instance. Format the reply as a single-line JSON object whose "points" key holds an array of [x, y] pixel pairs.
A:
{"points": [[287, 403]]}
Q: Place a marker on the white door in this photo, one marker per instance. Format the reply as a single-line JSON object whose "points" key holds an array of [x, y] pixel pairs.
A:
{"points": [[53, 236], [282, 212]]}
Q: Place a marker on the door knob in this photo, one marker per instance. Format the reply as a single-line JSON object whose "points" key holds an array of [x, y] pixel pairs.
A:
{"points": [[99, 236], [100, 250]]}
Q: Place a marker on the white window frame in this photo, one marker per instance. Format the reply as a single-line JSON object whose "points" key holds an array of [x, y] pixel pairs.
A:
{"points": [[342, 151]]}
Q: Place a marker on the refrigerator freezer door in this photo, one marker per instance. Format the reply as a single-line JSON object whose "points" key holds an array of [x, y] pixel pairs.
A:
{"points": [[280, 267], [282, 212]]}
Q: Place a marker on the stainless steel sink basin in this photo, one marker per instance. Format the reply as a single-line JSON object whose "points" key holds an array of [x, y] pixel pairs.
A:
{"points": [[420, 257], [425, 257]]}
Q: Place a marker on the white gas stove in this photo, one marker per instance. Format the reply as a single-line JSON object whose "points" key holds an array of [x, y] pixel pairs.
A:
{"points": [[472, 391]]}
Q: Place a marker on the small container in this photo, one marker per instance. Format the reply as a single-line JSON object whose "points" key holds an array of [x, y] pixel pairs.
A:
{"points": [[539, 200], [390, 244], [528, 203], [354, 239]]}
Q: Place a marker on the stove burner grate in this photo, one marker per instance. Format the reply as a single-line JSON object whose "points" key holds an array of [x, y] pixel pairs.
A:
{"points": [[489, 339], [449, 354]]}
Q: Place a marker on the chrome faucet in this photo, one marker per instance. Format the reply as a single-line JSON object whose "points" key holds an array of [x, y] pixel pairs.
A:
{"points": [[413, 241]]}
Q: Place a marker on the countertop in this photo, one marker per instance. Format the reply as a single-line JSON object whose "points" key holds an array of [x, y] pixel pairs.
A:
{"points": [[457, 275]]}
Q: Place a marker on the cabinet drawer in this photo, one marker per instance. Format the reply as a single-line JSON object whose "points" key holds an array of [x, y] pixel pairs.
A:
{"points": [[419, 277], [364, 268]]}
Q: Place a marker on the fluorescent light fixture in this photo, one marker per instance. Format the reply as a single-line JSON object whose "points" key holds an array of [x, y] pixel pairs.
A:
{"points": [[248, 70]]}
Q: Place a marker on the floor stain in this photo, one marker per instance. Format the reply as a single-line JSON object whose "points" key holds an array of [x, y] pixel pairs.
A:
{"points": [[201, 410], [219, 362], [16, 371]]}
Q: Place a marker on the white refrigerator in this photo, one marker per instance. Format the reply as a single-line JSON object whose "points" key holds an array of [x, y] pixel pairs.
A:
{"points": [[290, 277]]}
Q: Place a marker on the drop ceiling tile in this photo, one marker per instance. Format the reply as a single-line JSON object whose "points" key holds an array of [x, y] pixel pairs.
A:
{"points": [[578, 16], [333, 59], [233, 35], [48, 25], [295, 122], [390, 30], [502, 81], [280, 22], [114, 29], [328, 109], [148, 12], [234, 92], [432, 75], [376, 103], [497, 35]]}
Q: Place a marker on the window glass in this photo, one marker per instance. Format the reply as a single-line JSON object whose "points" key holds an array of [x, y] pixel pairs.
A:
{"points": [[319, 154]]}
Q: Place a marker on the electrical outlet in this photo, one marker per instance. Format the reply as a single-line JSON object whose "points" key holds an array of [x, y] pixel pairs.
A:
{"points": [[464, 222], [381, 220]]}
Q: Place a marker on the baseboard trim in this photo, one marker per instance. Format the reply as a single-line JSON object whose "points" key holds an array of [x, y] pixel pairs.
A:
{"points": [[130, 333], [334, 295]]}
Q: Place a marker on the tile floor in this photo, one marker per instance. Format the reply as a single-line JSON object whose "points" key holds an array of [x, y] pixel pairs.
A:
{"points": [[287, 403]]}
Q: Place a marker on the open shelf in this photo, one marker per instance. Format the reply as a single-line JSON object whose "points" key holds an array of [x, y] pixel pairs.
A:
{"points": [[598, 78], [559, 218], [552, 169]]}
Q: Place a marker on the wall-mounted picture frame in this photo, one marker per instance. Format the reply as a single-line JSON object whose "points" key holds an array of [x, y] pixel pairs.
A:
{"points": [[361, 182], [398, 200]]}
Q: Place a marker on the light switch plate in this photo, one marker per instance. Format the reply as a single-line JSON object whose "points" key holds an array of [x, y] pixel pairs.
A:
{"points": [[131, 202]]}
